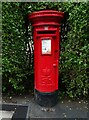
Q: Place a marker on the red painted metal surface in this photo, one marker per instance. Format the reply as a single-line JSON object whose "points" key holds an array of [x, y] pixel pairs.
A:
{"points": [[46, 25]]}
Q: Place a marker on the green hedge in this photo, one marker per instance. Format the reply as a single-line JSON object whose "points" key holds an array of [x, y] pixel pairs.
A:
{"points": [[74, 53], [18, 61]]}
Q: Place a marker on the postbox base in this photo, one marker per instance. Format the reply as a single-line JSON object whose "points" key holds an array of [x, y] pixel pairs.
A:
{"points": [[46, 99]]}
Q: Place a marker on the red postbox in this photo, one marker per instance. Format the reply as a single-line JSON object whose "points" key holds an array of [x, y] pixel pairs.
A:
{"points": [[46, 34]]}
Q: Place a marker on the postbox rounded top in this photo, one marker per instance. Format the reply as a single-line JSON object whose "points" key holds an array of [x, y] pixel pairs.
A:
{"points": [[45, 17]]}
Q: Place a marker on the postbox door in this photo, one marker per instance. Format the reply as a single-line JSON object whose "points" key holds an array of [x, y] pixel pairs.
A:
{"points": [[48, 65]]}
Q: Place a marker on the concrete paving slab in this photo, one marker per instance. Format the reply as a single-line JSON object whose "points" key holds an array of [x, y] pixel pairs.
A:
{"points": [[14, 112], [6, 114], [64, 109]]}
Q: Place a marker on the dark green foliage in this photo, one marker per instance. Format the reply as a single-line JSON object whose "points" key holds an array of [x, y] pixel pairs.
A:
{"points": [[18, 61], [74, 51]]}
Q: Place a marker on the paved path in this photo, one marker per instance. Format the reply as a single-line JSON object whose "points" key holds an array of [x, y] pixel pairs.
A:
{"points": [[64, 109]]}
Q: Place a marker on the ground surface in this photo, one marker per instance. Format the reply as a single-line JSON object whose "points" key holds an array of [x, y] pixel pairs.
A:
{"points": [[6, 114], [64, 109]]}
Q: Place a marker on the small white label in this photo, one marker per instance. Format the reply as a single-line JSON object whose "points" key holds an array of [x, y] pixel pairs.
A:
{"points": [[46, 46], [46, 27]]}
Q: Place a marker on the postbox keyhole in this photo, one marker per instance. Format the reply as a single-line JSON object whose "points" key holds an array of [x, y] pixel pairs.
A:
{"points": [[54, 65]]}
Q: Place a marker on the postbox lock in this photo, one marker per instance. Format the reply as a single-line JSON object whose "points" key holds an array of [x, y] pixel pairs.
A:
{"points": [[54, 65]]}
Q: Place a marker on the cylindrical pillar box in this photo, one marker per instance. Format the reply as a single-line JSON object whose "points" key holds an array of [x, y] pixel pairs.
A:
{"points": [[46, 24]]}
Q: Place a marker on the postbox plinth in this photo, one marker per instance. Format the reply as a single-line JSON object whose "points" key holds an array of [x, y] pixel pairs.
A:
{"points": [[46, 24]]}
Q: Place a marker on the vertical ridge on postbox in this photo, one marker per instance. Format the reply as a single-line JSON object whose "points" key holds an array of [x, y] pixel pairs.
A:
{"points": [[46, 25]]}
